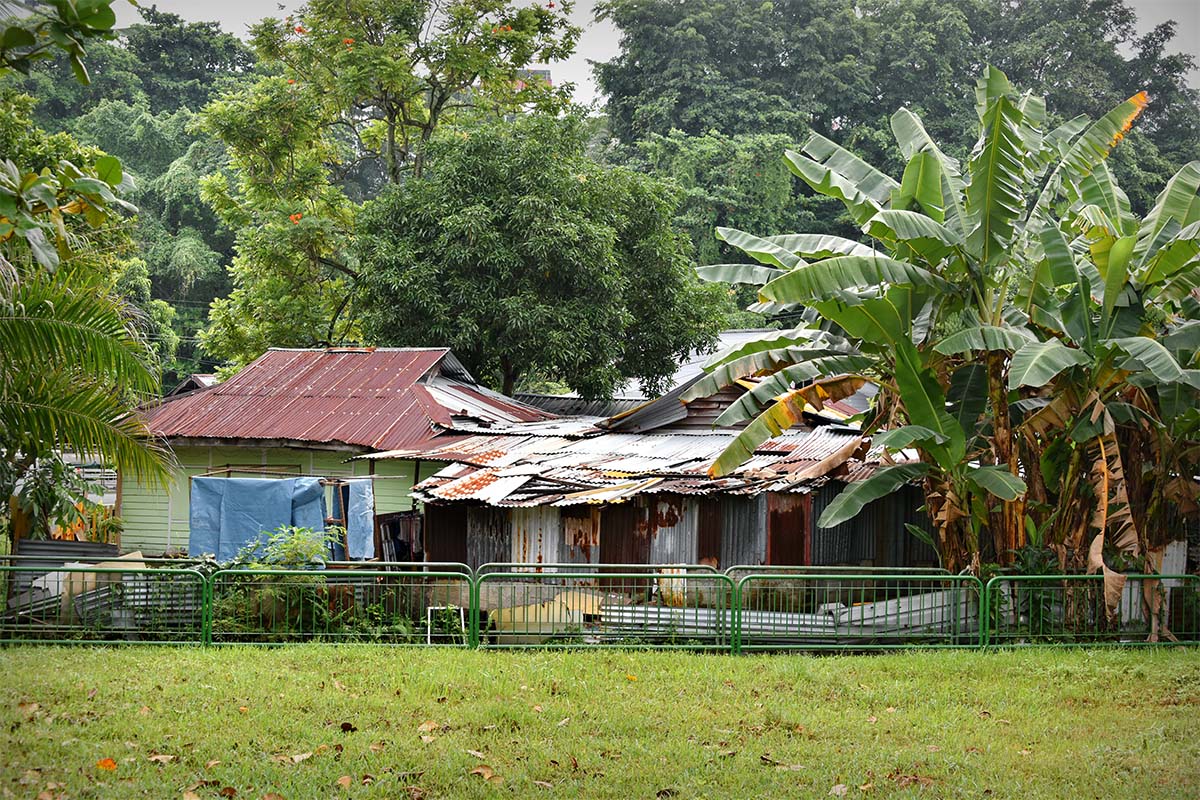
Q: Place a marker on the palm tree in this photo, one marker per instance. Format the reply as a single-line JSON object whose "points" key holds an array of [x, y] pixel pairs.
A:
{"points": [[73, 369]]}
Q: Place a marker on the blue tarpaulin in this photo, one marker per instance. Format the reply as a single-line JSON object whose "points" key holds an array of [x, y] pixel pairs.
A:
{"points": [[229, 513], [358, 498], [360, 519]]}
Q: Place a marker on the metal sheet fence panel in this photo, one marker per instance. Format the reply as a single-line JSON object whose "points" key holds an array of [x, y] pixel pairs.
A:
{"points": [[644, 609], [387, 607], [1071, 610], [101, 604], [857, 611]]}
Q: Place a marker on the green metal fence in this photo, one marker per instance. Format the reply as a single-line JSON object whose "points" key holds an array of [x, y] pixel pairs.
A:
{"points": [[655, 608], [102, 604], [866, 610], [745, 608], [1073, 610], [268, 606]]}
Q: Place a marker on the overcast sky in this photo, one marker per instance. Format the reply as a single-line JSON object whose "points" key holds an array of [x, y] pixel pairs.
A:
{"points": [[599, 40]]}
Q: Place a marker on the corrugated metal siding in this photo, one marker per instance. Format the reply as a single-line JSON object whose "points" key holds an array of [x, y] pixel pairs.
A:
{"points": [[580, 535], [672, 525], [744, 531], [446, 533], [536, 535], [789, 529], [489, 535], [708, 530], [876, 536]]}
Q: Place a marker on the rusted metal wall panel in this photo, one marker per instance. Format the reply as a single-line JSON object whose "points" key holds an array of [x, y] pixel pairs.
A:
{"points": [[580, 535], [788, 529], [708, 531], [489, 535], [446, 533], [623, 537], [671, 524], [876, 536], [536, 534], [743, 530]]}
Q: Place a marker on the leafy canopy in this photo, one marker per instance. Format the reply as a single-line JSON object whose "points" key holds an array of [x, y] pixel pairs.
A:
{"points": [[527, 257]]}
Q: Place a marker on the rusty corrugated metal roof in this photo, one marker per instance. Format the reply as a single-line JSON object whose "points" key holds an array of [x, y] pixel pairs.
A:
{"points": [[377, 398], [510, 469]]}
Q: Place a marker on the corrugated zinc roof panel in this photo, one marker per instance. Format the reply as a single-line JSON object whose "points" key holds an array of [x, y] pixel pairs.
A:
{"points": [[369, 398]]}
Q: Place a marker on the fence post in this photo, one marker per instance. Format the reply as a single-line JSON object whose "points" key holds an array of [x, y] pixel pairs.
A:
{"points": [[473, 611], [736, 610], [206, 610]]}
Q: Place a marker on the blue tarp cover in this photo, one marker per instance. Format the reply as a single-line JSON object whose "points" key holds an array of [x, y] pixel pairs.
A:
{"points": [[360, 519], [228, 513]]}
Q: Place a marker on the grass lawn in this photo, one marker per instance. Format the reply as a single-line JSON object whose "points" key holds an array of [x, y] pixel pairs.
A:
{"points": [[302, 722]]}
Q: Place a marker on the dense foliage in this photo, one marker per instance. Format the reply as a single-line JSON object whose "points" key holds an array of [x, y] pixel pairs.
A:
{"points": [[838, 67], [74, 360], [1035, 341], [525, 256]]}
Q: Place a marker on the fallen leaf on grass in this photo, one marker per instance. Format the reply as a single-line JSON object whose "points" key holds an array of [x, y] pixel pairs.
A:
{"points": [[349, 727], [107, 764], [872, 720], [377, 747], [144, 710], [345, 781], [243, 709], [476, 754], [1025, 752], [190, 796], [631, 677], [427, 738], [839, 790], [341, 687], [272, 796], [488, 774], [294, 759], [789, 767], [933, 748], [984, 714], [428, 726], [28, 709], [160, 758], [537, 709], [544, 784], [228, 791], [891, 709], [564, 721], [903, 780], [866, 787], [668, 792]]}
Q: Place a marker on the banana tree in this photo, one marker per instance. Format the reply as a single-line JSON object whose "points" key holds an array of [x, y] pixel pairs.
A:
{"points": [[949, 288]]}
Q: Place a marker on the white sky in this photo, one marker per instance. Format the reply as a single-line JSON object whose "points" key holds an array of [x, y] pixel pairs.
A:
{"points": [[599, 40]]}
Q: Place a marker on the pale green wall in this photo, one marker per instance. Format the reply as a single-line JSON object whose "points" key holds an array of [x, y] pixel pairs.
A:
{"points": [[156, 520]]}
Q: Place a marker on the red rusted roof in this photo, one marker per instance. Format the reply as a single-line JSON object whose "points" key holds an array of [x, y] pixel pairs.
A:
{"points": [[373, 398]]}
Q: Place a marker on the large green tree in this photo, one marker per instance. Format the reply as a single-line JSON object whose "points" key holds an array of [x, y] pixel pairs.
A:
{"points": [[355, 92], [527, 257]]}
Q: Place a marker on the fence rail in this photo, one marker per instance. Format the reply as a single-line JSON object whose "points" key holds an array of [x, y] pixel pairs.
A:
{"points": [[744, 608]]}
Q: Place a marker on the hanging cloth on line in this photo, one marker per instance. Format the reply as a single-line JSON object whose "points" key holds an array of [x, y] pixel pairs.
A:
{"points": [[226, 514]]}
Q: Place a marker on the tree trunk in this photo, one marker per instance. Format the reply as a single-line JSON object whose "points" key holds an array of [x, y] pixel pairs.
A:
{"points": [[1008, 526], [511, 373]]}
